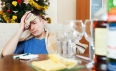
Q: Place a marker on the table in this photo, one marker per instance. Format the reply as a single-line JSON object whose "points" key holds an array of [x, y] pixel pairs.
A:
{"points": [[7, 63]]}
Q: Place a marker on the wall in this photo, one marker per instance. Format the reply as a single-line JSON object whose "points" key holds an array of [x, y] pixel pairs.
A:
{"points": [[0, 5], [61, 10], [52, 11], [66, 10]]}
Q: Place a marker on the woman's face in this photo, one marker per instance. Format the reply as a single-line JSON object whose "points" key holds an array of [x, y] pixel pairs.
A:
{"points": [[36, 27]]}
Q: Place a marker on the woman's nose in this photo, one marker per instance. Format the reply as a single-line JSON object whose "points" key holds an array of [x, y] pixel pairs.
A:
{"points": [[31, 27]]}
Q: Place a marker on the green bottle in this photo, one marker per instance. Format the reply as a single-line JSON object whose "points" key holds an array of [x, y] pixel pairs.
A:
{"points": [[111, 36], [111, 10]]}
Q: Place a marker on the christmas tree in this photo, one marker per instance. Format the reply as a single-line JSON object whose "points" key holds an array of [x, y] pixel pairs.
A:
{"points": [[13, 10]]}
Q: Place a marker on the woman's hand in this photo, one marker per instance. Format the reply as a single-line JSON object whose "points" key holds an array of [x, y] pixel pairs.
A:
{"points": [[22, 23]]}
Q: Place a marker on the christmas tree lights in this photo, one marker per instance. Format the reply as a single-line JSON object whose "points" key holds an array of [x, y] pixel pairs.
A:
{"points": [[13, 10]]}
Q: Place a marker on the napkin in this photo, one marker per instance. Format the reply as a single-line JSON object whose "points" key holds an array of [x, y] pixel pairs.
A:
{"points": [[25, 56], [79, 48], [29, 17]]}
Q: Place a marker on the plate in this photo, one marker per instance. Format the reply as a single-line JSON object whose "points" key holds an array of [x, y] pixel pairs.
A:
{"points": [[77, 67]]}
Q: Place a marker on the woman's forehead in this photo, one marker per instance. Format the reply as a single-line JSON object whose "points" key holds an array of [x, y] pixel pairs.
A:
{"points": [[35, 20]]}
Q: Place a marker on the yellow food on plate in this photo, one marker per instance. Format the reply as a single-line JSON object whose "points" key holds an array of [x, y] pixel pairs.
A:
{"points": [[48, 65], [55, 62], [55, 57], [68, 62]]}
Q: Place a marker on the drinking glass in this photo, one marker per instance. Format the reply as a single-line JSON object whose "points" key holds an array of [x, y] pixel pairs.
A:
{"points": [[63, 45], [88, 34], [59, 40], [73, 32]]}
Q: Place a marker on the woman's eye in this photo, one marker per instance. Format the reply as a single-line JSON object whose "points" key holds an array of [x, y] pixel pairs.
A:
{"points": [[34, 23]]}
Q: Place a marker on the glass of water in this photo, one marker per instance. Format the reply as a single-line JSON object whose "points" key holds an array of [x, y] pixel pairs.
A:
{"points": [[63, 46]]}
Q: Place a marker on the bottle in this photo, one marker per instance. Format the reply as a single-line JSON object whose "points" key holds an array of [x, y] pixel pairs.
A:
{"points": [[100, 38], [111, 56], [112, 10], [111, 44], [100, 45]]}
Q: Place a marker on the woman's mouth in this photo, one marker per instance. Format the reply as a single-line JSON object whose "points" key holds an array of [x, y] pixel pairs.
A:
{"points": [[34, 32]]}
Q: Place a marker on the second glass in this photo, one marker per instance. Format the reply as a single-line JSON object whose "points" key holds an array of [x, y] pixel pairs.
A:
{"points": [[73, 32]]}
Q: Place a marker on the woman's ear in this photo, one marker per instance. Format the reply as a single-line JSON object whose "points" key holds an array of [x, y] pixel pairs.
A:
{"points": [[42, 20]]}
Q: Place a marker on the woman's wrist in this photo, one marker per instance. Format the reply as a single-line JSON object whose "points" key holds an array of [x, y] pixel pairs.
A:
{"points": [[20, 30]]}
